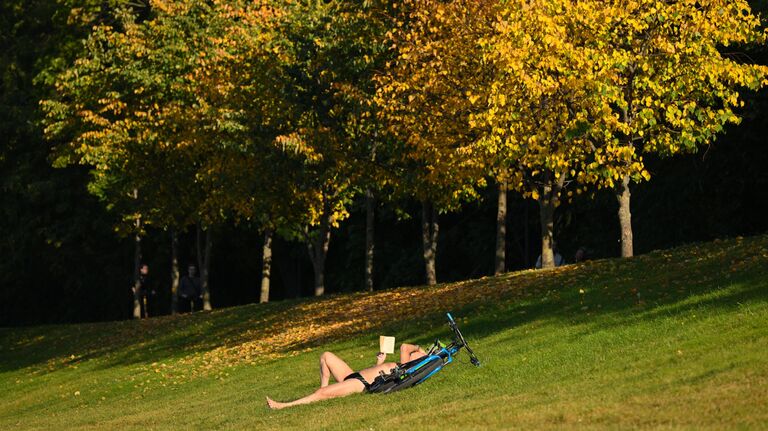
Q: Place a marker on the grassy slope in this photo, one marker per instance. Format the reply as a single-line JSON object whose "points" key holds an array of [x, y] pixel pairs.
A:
{"points": [[674, 339]]}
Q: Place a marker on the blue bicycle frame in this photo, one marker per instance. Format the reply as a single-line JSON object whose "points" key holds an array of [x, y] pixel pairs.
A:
{"points": [[415, 372]]}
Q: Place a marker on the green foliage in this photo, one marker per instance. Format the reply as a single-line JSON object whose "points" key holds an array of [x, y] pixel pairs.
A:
{"points": [[532, 95], [673, 79], [151, 107], [333, 48]]}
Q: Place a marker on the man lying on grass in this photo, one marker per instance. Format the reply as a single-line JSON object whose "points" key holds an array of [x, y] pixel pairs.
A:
{"points": [[349, 382]]}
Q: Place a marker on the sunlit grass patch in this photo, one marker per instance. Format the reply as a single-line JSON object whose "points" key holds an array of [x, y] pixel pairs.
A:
{"points": [[672, 339]]}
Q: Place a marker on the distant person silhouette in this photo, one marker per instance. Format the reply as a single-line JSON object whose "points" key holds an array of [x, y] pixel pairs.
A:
{"points": [[190, 291], [581, 255], [146, 292]]}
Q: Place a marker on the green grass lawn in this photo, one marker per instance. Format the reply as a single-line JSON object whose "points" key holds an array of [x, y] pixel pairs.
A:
{"points": [[676, 339]]}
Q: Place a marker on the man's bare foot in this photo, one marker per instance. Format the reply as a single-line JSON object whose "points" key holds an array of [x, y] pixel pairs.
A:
{"points": [[274, 405]]}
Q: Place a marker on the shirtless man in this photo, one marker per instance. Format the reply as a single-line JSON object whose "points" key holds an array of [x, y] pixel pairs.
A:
{"points": [[349, 382]]}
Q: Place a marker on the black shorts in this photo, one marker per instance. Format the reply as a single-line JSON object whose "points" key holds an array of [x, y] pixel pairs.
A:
{"points": [[362, 380]]}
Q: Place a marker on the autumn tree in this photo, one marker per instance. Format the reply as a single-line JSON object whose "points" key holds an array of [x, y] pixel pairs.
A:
{"points": [[102, 116], [241, 87], [332, 48], [138, 110], [422, 95], [533, 119], [672, 85]]}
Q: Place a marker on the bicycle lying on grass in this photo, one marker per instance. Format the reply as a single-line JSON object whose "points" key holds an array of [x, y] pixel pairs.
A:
{"points": [[417, 371]]}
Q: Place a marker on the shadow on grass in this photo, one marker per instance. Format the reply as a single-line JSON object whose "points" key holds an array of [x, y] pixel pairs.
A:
{"points": [[599, 294]]}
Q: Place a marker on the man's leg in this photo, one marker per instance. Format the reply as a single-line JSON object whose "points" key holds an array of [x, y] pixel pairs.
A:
{"points": [[183, 304], [143, 305], [335, 390], [409, 352], [331, 364]]}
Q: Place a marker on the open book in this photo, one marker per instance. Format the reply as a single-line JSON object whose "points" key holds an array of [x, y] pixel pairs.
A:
{"points": [[386, 344]]}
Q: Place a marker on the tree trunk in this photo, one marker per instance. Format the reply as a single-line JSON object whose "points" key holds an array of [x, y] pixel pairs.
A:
{"points": [[266, 266], [527, 240], [548, 201], [175, 276], [204, 261], [625, 218], [625, 215], [205, 273], [319, 270], [501, 230], [198, 247], [136, 269], [137, 265], [318, 249], [429, 233], [370, 213], [546, 216]]}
